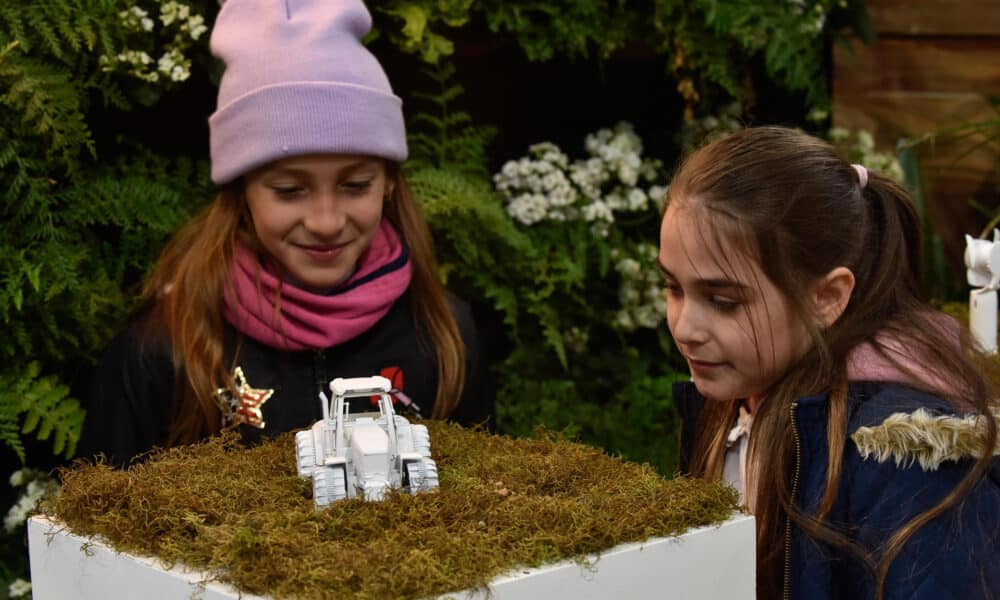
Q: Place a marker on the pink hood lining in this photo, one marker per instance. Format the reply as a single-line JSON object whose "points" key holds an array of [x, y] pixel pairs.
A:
{"points": [[900, 364]]}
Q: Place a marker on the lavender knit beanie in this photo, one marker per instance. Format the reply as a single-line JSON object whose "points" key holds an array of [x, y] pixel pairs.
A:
{"points": [[299, 81]]}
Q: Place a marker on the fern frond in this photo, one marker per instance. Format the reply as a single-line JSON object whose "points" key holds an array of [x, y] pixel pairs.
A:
{"points": [[63, 28], [552, 329], [444, 135], [45, 30], [47, 410], [48, 100]]}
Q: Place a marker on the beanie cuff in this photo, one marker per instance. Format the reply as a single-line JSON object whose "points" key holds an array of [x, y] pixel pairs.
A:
{"points": [[283, 120]]}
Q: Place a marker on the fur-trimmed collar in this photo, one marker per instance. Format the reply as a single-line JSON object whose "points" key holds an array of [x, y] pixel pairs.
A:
{"points": [[924, 438]]}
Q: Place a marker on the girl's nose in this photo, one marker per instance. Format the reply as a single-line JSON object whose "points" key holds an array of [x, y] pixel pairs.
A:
{"points": [[687, 322], [324, 217]]}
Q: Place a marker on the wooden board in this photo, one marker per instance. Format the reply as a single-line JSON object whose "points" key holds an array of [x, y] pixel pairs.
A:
{"points": [[935, 17], [934, 67], [952, 64]]}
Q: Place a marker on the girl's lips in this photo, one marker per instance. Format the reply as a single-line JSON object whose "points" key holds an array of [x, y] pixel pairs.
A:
{"points": [[703, 366], [322, 252]]}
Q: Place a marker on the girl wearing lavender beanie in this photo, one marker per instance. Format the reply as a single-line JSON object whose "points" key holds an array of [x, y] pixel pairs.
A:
{"points": [[313, 262]]}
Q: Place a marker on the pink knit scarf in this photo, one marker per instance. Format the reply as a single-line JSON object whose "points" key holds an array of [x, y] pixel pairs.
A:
{"points": [[310, 321]]}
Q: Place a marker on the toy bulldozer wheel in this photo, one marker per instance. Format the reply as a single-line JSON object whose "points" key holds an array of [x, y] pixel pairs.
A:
{"points": [[329, 484]]}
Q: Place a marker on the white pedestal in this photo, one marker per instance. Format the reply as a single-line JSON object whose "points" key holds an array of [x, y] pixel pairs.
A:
{"points": [[709, 562]]}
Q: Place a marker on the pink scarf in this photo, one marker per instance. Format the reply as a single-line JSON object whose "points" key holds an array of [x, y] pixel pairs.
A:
{"points": [[309, 321], [865, 363]]}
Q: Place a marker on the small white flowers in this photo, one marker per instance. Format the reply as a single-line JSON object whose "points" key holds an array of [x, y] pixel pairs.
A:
{"points": [[137, 19], [172, 66], [528, 208], [175, 12], [546, 186], [613, 182], [643, 301], [19, 588], [37, 485]]}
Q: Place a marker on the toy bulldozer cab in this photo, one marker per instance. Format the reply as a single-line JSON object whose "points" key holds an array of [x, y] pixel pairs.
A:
{"points": [[363, 454]]}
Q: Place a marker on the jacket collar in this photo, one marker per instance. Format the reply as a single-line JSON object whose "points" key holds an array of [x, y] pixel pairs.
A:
{"points": [[887, 421]]}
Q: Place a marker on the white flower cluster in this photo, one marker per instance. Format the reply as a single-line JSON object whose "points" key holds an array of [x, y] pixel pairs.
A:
{"points": [[136, 18], [614, 178], [193, 25], [814, 17], [37, 485], [576, 340], [19, 588], [642, 298], [173, 65], [862, 150]]}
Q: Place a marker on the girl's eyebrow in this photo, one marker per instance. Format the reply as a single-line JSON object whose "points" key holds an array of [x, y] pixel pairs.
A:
{"points": [[713, 283]]}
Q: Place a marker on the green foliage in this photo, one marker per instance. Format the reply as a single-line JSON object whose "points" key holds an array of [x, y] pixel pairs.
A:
{"points": [[483, 253], [48, 57], [706, 44], [47, 411], [416, 34], [74, 233], [48, 102], [627, 408], [571, 367], [786, 33], [935, 275], [966, 139], [444, 136], [63, 29], [476, 239], [573, 28], [66, 250]]}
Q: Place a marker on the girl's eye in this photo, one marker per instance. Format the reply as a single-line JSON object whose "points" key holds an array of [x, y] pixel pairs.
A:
{"points": [[673, 290], [288, 191], [358, 186], [723, 304]]}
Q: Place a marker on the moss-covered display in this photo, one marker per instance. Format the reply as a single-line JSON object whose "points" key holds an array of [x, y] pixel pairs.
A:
{"points": [[244, 516]]}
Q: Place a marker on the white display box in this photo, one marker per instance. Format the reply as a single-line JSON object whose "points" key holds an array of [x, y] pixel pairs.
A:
{"points": [[708, 562]]}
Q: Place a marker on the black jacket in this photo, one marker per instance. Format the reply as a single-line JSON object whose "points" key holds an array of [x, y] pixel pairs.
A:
{"points": [[129, 405]]}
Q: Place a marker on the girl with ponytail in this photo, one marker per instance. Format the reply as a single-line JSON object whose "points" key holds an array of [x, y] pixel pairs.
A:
{"points": [[314, 261], [858, 424]]}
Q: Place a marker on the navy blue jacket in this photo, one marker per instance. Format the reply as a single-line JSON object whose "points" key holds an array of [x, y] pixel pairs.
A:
{"points": [[955, 556]]}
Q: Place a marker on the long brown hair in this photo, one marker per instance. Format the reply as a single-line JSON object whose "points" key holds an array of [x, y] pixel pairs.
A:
{"points": [[187, 286], [799, 210]]}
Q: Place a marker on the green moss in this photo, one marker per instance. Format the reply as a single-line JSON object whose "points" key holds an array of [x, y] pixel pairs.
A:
{"points": [[244, 515]]}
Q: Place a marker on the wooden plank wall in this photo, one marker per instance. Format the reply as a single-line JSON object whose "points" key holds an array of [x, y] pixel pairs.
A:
{"points": [[934, 65]]}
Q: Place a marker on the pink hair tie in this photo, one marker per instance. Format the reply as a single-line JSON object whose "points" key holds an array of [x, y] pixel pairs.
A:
{"points": [[862, 174]]}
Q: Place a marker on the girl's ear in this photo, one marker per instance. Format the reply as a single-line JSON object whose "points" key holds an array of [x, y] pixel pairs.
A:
{"points": [[831, 295]]}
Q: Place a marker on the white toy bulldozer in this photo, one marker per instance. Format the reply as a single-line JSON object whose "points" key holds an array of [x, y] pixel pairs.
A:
{"points": [[364, 454]]}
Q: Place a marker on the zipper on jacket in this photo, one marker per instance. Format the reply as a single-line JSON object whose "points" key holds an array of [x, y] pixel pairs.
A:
{"points": [[788, 520], [319, 371]]}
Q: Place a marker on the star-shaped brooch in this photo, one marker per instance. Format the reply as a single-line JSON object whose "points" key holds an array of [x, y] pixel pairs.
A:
{"points": [[243, 406]]}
